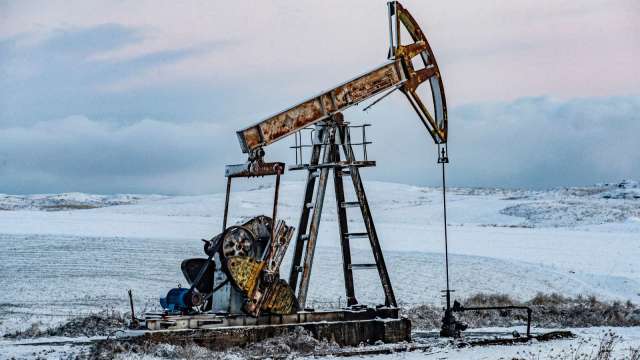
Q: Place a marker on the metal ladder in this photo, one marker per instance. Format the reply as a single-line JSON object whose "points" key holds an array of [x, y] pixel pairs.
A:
{"points": [[331, 136]]}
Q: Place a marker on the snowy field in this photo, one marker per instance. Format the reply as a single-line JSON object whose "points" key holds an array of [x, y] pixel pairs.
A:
{"points": [[69, 254]]}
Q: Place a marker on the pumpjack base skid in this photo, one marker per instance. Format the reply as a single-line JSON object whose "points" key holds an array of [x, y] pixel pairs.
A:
{"points": [[346, 327]]}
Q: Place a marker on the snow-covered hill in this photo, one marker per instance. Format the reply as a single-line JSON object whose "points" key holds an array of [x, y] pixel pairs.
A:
{"points": [[67, 201], [607, 203], [74, 253], [590, 234]]}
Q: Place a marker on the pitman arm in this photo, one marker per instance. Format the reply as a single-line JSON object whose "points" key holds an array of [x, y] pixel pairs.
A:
{"points": [[397, 73]]}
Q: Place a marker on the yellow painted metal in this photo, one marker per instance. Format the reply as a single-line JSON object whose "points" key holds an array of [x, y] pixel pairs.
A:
{"points": [[245, 272], [276, 297], [280, 300]]}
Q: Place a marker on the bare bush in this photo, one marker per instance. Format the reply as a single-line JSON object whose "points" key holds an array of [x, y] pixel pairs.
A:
{"points": [[604, 349], [549, 310], [606, 346]]}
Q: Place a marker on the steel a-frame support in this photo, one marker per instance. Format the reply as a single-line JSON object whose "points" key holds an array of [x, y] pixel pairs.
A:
{"points": [[332, 136]]}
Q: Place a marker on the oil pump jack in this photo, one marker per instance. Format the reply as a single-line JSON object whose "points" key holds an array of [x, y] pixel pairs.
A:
{"points": [[242, 271]]}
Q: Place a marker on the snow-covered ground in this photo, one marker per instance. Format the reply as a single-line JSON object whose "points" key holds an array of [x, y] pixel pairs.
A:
{"points": [[73, 253], [583, 346]]}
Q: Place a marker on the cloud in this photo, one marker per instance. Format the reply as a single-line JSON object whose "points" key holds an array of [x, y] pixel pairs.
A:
{"points": [[502, 50], [199, 70], [58, 77], [530, 142], [88, 155]]}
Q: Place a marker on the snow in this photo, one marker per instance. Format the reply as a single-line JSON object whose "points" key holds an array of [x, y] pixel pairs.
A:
{"points": [[587, 342], [56, 202], [76, 253]]}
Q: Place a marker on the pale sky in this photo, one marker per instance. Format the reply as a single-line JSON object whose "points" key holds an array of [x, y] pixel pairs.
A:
{"points": [[145, 96]]}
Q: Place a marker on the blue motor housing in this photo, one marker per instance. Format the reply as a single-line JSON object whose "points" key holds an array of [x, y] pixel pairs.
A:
{"points": [[177, 300]]}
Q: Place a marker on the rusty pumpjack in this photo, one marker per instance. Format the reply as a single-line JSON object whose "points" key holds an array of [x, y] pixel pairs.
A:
{"points": [[242, 271]]}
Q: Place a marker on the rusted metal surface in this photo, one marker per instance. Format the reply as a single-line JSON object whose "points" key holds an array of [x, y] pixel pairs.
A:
{"points": [[245, 272], [337, 138], [279, 299], [321, 107], [296, 263], [259, 279], [275, 297], [390, 299], [279, 245], [249, 169], [254, 169], [435, 123], [312, 236]]}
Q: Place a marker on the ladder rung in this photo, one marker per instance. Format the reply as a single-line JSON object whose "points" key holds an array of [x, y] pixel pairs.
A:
{"points": [[304, 237], [362, 266], [358, 235], [309, 205], [348, 204]]}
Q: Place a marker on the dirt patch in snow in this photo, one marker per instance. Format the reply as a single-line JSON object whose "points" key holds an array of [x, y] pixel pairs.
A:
{"points": [[97, 324], [299, 342], [549, 310], [292, 345]]}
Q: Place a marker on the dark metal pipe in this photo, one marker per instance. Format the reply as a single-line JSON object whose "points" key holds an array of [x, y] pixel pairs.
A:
{"points": [[443, 159], [135, 323], [459, 308], [275, 208], [133, 314], [529, 311], [506, 307], [226, 205]]}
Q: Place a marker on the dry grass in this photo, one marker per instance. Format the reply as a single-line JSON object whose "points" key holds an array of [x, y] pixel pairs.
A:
{"points": [[549, 310]]}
